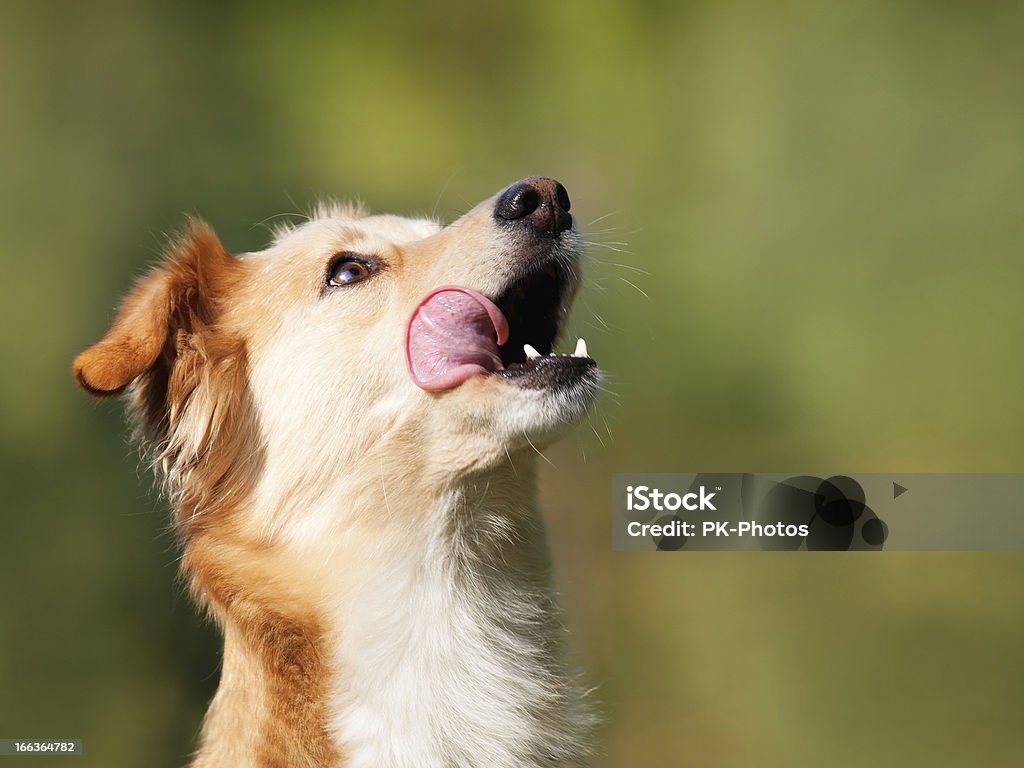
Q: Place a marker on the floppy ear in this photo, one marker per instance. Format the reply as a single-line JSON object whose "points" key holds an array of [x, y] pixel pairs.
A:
{"points": [[172, 297]]}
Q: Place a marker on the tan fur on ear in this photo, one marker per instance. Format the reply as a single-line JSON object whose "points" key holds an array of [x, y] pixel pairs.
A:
{"points": [[144, 323], [133, 342]]}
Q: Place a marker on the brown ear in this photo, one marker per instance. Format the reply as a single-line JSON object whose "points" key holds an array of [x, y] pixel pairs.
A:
{"points": [[149, 314]]}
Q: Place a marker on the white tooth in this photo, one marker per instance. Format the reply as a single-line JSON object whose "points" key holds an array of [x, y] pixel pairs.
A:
{"points": [[530, 351], [581, 349]]}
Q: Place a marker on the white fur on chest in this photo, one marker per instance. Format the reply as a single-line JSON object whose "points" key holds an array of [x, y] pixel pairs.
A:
{"points": [[447, 652]]}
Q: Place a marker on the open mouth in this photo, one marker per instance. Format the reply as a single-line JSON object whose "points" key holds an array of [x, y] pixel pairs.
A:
{"points": [[456, 333]]}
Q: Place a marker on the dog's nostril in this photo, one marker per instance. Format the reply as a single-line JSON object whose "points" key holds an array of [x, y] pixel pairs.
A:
{"points": [[562, 197], [518, 201]]}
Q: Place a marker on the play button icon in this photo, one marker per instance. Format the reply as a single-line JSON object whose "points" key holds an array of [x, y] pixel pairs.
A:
{"points": [[898, 490]]}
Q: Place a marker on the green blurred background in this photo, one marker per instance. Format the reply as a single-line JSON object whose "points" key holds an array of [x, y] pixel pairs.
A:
{"points": [[807, 227]]}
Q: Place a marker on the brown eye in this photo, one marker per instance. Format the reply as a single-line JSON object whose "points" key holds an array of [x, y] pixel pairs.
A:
{"points": [[347, 270]]}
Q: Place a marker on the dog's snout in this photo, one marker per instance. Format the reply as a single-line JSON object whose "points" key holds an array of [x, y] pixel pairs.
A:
{"points": [[537, 202]]}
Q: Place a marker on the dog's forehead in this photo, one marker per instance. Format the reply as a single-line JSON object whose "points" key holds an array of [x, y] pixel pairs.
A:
{"points": [[397, 229], [344, 229]]}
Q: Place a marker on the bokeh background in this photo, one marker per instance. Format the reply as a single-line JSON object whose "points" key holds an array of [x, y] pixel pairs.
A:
{"points": [[807, 256]]}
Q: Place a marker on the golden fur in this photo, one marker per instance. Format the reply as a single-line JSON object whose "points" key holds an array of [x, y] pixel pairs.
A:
{"points": [[325, 503]]}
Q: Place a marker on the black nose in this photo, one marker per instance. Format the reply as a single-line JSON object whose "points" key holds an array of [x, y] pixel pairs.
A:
{"points": [[538, 202]]}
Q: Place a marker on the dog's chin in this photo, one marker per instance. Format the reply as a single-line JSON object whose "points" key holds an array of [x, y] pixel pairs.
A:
{"points": [[547, 392], [545, 413], [529, 408]]}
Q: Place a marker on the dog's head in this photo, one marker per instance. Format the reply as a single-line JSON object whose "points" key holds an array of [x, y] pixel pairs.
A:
{"points": [[353, 333]]}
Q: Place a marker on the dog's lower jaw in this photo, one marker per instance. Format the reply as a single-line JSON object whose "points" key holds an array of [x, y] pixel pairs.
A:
{"points": [[439, 644]]}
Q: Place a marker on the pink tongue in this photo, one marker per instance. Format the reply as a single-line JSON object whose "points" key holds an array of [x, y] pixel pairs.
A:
{"points": [[454, 334]]}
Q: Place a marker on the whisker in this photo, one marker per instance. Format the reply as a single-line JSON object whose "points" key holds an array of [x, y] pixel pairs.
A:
{"points": [[549, 461], [638, 288], [610, 248], [621, 265], [602, 218], [607, 428], [601, 320], [444, 188], [510, 462], [609, 393]]}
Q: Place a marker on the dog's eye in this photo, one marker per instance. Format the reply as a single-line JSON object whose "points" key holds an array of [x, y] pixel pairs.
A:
{"points": [[347, 270]]}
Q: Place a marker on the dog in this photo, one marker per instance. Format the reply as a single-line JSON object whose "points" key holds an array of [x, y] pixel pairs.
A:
{"points": [[347, 424]]}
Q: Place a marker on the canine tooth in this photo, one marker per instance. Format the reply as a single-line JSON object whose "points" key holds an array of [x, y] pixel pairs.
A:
{"points": [[581, 349], [530, 351]]}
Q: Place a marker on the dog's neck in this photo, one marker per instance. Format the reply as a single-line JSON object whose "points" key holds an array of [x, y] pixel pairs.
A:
{"points": [[426, 634]]}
